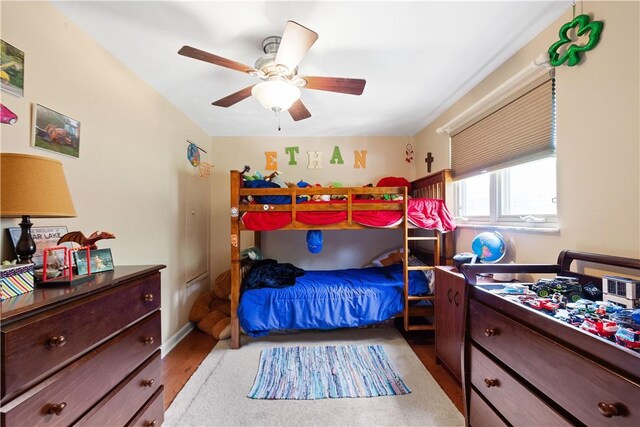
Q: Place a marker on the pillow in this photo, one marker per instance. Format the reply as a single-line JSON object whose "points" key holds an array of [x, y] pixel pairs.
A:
{"points": [[387, 258], [415, 261], [394, 181], [277, 180], [421, 282]]}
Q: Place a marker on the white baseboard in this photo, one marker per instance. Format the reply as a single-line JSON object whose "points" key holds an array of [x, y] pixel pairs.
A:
{"points": [[175, 339]]}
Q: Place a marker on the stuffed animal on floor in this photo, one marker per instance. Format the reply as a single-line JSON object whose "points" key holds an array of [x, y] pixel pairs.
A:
{"points": [[212, 310]]}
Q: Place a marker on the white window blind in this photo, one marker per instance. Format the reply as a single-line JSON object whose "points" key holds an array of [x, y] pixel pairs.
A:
{"points": [[520, 131]]}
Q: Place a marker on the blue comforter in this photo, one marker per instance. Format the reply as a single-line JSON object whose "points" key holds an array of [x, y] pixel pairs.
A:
{"points": [[329, 299]]}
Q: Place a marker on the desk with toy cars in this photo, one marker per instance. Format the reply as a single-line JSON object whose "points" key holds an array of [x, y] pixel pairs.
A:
{"points": [[522, 367]]}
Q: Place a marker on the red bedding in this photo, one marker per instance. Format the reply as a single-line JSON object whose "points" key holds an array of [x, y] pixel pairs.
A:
{"points": [[423, 213]]}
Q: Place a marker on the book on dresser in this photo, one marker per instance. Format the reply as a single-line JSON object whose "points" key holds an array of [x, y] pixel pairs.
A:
{"points": [[84, 355]]}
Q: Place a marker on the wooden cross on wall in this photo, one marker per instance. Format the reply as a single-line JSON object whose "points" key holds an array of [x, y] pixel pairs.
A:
{"points": [[429, 159]]}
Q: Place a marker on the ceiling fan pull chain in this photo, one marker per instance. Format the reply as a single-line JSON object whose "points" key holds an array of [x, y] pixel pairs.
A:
{"points": [[277, 111]]}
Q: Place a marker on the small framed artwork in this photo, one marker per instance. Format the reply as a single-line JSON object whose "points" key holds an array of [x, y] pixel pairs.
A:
{"points": [[100, 259], [56, 132], [11, 69], [45, 237]]}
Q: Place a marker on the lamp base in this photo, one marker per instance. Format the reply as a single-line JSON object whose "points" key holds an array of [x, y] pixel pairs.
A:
{"points": [[63, 281], [25, 246]]}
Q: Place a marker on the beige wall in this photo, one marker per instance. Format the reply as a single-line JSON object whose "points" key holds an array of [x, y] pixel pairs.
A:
{"points": [[598, 140], [385, 157], [132, 177]]}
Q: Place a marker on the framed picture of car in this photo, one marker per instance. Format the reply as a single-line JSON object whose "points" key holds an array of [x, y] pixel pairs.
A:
{"points": [[56, 132], [100, 260], [11, 69], [44, 237]]}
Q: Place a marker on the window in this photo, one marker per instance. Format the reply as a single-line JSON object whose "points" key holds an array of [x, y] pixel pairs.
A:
{"points": [[504, 164], [520, 195], [473, 197]]}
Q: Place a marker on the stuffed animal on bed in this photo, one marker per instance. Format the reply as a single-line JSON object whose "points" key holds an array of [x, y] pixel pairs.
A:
{"points": [[212, 310]]}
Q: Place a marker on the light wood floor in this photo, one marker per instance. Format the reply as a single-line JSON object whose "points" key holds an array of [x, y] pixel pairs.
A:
{"points": [[184, 359]]}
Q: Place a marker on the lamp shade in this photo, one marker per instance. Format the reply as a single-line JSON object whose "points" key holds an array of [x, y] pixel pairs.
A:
{"points": [[34, 186], [276, 95]]}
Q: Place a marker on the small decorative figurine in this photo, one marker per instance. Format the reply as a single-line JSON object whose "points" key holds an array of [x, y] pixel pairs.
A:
{"points": [[82, 240]]}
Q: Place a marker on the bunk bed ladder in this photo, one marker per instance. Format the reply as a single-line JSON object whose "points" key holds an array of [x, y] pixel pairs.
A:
{"points": [[411, 309]]}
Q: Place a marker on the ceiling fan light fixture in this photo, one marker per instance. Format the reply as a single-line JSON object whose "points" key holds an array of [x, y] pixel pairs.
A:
{"points": [[276, 95]]}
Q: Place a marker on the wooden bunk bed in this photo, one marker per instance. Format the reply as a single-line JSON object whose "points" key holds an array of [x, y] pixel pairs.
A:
{"points": [[433, 186]]}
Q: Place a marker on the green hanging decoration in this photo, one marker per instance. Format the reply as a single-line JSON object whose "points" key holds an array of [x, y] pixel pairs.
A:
{"points": [[572, 54]]}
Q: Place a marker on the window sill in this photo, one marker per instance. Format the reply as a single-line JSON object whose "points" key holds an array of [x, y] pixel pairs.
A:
{"points": [[513, 228]]}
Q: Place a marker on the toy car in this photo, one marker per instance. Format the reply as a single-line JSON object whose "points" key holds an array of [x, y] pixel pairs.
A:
{"points": [[515, 289], [543, 304], [629, 338], [582, 306], [627, 317], [606, 307], [567, 286], [604, 328], [569, 317]]}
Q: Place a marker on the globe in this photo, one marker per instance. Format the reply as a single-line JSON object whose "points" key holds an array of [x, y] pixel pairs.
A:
{"points": [[489, 246]]}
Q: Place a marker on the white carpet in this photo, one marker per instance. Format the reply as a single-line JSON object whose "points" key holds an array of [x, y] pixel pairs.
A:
{"points": [[216, 394]]}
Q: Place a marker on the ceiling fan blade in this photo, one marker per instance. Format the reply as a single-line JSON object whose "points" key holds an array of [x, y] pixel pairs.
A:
{"points": [[192, 52], [298, 111], [336, 84], [296, 42], [234, 98]]}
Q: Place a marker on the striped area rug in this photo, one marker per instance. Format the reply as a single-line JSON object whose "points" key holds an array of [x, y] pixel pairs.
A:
{"points": [[308, 373]]}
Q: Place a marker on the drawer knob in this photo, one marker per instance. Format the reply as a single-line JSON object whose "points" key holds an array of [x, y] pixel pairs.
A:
{"points": [[149, 340], [148, 383], [489, 332], [608, 410], [57, 408], [148, 297], [491, 382], [150, 423], [58, 341]]}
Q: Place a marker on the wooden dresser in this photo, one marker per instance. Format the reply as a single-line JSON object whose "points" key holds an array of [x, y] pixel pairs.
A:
{"points": [[449, 304], [521, 367], [449, 314], [86, 354]]}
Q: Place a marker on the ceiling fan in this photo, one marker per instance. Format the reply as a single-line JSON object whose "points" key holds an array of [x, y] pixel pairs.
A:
{"points": [[278, 68]]}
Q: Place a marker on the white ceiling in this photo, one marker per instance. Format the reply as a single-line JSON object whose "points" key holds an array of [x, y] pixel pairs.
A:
{"points": [[418, 57]]}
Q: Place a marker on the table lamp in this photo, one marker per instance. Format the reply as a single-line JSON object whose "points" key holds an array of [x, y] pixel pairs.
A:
{"points": [[32, 186]]}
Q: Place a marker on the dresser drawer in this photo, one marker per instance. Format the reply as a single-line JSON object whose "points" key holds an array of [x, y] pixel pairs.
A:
{"points": [[151, 414], [582, 387], [68, 394], [481, 414], [37, 345], [508, 396], [122, 403]]}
